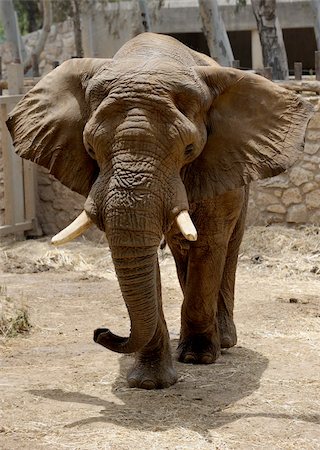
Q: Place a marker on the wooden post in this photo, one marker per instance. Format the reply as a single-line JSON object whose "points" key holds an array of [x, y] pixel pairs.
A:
{"points": [[30, 187], [317, 64], [236, 64], [15, 78], [298, 71], [13, 169], [19, 175], [35, 65], [7, 169], [0, 74]]}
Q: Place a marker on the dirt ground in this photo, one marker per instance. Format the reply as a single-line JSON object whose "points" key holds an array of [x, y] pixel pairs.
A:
{"points": [[60, 390]]}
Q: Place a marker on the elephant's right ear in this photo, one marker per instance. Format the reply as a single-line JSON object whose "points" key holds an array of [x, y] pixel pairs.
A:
{"points": [[47, 124]]}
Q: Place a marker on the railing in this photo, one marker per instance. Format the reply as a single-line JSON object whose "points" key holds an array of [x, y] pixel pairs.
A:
{"points": [[308, 83], [19, 176]]}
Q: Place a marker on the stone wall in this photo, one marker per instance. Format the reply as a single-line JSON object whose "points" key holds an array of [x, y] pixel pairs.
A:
{"points": [[289, 198], [58, 206], [292, 197]]}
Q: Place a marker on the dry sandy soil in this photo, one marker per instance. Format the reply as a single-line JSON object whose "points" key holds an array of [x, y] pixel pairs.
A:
{"points": [[60, 390]]}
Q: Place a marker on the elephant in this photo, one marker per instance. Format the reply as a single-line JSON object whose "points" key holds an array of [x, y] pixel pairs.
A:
{"points": [[163, 142]]}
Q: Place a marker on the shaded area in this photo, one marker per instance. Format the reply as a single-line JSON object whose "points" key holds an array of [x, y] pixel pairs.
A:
{"points": [[207, 389]]}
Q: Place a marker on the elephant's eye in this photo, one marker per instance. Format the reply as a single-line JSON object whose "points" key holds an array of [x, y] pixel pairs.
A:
{"points": [[90, 151], [188, 150]]}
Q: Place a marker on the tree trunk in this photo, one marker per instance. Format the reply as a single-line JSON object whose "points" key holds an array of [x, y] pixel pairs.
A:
{"points": [[47, 21], [273, 49], [145, 19], [315, 7], [7, 15], [215, 32], [77, 28]]}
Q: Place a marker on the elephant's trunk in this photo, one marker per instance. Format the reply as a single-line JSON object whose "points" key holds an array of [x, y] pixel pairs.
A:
{"points": [[133, 222], [137, 280]]}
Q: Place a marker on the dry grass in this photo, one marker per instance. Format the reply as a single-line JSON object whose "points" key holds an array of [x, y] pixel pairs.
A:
{"points": [[283, 250], [277, 240], [39, 256], [14, 318]]}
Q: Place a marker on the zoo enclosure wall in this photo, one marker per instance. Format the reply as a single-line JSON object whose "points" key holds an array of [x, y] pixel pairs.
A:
{"points": [[290, 198]]}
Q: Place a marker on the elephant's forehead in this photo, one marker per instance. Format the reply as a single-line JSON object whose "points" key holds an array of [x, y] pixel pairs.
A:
{"points": [[164, 74]]}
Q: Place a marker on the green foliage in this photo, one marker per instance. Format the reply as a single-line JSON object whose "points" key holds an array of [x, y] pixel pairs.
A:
{"points": [[240, 4], [62, 10], [29, 15], [2, 36]]}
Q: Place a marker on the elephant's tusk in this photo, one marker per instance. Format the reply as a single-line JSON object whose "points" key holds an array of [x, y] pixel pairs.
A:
{"points": [[75, 229], [186, 226]]}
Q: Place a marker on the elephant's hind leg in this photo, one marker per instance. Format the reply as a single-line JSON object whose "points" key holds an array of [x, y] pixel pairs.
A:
{"points": [[201, 270], [227, 329]]}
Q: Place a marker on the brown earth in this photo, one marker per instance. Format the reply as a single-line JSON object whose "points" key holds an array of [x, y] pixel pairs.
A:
{"points": [[60, 390]]}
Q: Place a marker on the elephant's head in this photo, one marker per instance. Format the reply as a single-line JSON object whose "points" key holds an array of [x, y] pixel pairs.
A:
{"points": [[143, 137]]}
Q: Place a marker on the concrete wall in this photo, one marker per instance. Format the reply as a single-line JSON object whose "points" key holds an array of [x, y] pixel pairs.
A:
{"points": [[106, 28]]}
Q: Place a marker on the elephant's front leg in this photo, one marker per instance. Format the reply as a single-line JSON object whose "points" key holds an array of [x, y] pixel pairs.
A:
{"points": [[199, 336], [153, 368], [227, 329]]}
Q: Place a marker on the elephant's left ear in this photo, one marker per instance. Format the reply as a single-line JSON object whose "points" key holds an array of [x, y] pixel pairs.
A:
{"points": [[256, 130], [47, 124]]}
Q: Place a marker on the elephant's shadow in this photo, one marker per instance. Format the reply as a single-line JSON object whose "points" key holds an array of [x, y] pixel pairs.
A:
{"points": [[198, 401]]}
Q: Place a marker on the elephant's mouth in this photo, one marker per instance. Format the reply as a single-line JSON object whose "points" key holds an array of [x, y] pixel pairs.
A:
{"points": [[83, 223]]}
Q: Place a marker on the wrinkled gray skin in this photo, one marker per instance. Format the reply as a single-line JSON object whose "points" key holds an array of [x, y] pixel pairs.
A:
{"points": [[154, 131]]}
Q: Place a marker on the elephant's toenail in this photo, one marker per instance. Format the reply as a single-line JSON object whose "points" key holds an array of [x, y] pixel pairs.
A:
{"points": [[226, 342], [132, 382], [189, 358], [207, 359], [148, 384]]}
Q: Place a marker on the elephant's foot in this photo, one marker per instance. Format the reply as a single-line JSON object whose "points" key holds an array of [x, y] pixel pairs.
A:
{"points": [[151, 374], [198, 349], [227, 331]]}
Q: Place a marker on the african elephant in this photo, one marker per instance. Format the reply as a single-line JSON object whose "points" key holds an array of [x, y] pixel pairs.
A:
{"points": [[155, 132]]}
